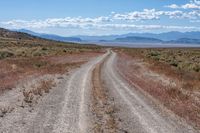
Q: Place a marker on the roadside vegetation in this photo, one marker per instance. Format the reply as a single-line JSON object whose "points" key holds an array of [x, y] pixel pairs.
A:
{"points": [[170, 75], [20, 58]]}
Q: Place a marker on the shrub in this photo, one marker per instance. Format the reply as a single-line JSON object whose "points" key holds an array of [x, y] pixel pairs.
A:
{"points": [[28, 96], [5, 54]]}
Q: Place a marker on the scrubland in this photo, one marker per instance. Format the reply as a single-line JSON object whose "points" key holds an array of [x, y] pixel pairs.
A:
{"points": [[20, 58], [171, 76]]}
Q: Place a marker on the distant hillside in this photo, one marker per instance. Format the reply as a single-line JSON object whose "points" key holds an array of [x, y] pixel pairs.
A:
{"points": [[59, 38], [167, 36], [186, 41], [52, 37], [13, 34], [135, 39]]}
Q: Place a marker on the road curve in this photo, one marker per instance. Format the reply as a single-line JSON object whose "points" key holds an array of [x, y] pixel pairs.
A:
{"points": [[66, 109], [63, 110], [136, 112], [72, 113]]}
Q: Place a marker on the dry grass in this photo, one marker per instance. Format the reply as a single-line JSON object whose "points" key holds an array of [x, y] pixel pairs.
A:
{"points": [[15, 69], [20, 58], [31, 95], [182, 64], [179, 65]]}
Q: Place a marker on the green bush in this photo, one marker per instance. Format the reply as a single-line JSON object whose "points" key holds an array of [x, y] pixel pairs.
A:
{"points": [[5, 54]]}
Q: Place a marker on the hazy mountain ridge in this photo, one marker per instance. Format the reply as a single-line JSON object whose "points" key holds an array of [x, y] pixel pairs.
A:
{"points": [[4, 33], [52, 36], [138, 39], [168, 37]]}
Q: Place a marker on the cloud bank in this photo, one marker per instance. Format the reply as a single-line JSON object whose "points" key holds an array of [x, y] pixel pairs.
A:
{"points": [[120, 21], [193, 4]]}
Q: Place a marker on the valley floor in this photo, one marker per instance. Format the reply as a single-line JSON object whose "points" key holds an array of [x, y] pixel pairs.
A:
{"points": [[98, 96]]}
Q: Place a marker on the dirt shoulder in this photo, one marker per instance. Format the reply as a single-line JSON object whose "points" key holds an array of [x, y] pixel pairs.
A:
{"points": [[174, 88]]}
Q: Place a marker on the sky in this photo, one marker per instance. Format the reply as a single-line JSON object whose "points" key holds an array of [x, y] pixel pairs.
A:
{"points": [[100, 17]]}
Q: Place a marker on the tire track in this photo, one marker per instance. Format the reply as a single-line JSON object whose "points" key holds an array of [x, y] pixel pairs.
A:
{"points": [[72, 119], [138, 114], [65, 110], [102, 104]]}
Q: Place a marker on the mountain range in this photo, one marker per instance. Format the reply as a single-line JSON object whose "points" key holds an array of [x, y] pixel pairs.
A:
{"points": [[168, 37], [4, 33], [51, 36]]}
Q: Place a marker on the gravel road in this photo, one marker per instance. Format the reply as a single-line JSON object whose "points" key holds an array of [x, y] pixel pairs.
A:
{"points": [[136, 112], [63, 110], [66, 109], [68, 113]]}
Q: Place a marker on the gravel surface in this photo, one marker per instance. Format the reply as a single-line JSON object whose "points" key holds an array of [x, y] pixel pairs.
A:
{"points": [[63, 110], [136, 112], [67, 108]]}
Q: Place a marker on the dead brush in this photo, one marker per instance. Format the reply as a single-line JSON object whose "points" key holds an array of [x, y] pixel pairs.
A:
{"points": [[28, 96], [46, 85], [37, 91], [177, 93]]}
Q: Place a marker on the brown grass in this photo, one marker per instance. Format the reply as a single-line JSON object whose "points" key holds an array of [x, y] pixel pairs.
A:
{"points": [[183, 98], [37, 90], [22, 58]]}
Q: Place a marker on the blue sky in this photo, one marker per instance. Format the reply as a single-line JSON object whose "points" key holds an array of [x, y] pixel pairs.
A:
{"points": [[100, 17]]}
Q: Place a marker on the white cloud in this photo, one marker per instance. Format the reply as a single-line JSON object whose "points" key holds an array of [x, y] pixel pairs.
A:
{"points": [[146, 14], [57, 22], [146, 27], [88, 24], [190, 6], [197, 2], [114, 21], [173, 6], [194, 4], [154, 15]]}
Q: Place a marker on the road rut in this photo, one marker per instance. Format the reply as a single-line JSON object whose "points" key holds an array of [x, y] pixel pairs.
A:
{"points": [[117, 106], [63, 110], [136, 111]]}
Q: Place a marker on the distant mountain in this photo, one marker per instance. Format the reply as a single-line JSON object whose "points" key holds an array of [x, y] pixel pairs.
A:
{"points": [[186, 41], [4, 33], [135, 39], [168, 36], [51, 36], [60, 38], [99, 38], [28, 32]]}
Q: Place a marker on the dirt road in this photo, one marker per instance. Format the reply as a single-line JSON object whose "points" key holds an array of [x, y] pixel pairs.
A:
{"points": [[67, 108], [137, 113]]}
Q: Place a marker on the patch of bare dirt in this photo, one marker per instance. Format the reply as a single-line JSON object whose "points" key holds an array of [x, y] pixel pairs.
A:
{"points": [[27, 93]]}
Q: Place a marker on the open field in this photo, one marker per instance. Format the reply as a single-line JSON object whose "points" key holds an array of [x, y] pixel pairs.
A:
{"points": [[20, 58], [86, 88], [172, 76]]}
